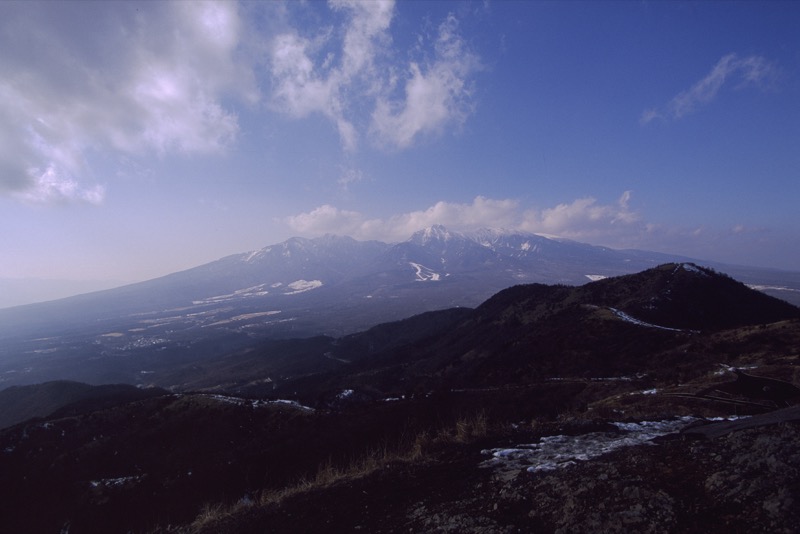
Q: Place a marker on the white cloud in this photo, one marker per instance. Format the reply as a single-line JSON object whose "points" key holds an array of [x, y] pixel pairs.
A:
{"points": [[85, 81], [750, 70], [308, 77], [435, 95], [51, 186], [586, 220], [327, 219], [583, 219], [482, 212], [302, 87], [133, 78]]}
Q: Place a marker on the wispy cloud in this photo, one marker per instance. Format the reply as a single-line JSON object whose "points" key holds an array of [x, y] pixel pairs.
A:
{"points": [[585, 219], [582, 219], [436, 94], [340, 79], [140, 78], [743, 71], [51, 186], [349, 176], [306, 84], [122, 80]]}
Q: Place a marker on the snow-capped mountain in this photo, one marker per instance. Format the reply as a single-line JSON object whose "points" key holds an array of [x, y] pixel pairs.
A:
{"points": [[334, 284], [301, 287]]}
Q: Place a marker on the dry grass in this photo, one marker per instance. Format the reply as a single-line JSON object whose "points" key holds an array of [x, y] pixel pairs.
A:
{"points": [[465, 430]]}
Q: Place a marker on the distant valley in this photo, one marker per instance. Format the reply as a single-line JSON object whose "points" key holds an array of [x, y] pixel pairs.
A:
{"points": [[329, 286]]}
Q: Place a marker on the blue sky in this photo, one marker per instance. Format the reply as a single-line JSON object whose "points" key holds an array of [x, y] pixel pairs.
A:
{"points": [[138, 139]]}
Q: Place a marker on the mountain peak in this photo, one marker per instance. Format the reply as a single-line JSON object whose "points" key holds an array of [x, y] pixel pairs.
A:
{"points": [[433, 234], [689, 296]]}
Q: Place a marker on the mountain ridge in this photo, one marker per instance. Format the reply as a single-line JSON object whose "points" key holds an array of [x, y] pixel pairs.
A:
{"points": [[521, 334], [331, 286]]}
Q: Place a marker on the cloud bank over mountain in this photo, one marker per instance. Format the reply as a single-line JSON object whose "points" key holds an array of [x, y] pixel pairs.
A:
{"points": [[616, 225], [581, 219]]}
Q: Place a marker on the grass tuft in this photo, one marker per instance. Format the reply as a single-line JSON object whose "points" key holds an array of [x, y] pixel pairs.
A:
{"points": [[419, 449]]}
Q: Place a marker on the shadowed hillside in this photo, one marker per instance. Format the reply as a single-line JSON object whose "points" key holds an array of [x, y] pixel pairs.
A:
{"points": [[24, 402], [417, 424]]}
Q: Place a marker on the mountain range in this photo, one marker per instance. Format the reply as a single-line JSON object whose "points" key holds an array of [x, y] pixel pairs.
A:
{"points": [[332, 286]]}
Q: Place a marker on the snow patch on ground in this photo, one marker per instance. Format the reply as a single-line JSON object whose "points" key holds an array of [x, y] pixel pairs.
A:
{"points": [[254, 403], [114, 482], [301, 286], [284, 402], [254, 291], [725, 369], [692, 269], [597, 378], [245, 317], [555, 452]]}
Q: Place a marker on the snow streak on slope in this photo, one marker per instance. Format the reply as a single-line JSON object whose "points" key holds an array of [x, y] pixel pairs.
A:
{"points": [[424, 274], [628, 319], [596, 277]]}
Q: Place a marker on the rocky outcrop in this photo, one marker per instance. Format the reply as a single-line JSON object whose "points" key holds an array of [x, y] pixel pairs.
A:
{"points": [[745, 480]]}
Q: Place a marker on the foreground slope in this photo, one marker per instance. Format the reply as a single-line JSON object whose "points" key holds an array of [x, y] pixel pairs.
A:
{"points": [[743, 482], [409, 425]]}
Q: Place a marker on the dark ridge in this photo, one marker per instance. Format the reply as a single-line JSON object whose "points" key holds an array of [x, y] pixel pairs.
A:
{"points": [[388, 336], [688, 296], [65, 397]]}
